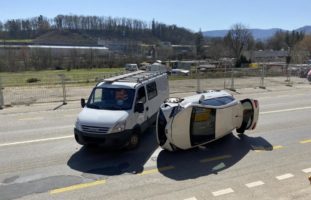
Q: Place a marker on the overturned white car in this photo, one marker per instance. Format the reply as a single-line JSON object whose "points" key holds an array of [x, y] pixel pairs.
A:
{"points": [[202, 118]]}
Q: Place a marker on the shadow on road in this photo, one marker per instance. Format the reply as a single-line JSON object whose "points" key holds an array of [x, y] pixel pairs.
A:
{"points": [[217, 156], [98, 162]]}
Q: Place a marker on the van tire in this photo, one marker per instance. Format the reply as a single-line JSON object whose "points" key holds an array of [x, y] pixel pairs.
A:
{"points": [[133, 141]]}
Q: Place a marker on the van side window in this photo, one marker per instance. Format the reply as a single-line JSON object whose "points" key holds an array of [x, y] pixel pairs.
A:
{"points": [[152, 90], [141, 95]]}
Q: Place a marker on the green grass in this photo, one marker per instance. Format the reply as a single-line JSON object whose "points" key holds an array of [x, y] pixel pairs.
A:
{"points": [[17, 40], [52, 76]]}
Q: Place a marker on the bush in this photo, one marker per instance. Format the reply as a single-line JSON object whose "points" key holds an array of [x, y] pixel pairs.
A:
{"points": [[32, 80]]}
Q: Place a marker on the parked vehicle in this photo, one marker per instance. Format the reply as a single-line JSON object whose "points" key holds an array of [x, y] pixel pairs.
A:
{"points": [[120, 108], [131, 67], [309, 76], [180, 72], [197, 120]]}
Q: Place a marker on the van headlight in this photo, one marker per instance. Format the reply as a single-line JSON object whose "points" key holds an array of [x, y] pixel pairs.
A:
{"points": [[78, 125], [120, 126]]}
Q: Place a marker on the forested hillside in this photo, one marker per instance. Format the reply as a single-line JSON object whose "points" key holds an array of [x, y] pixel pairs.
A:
{"points": [[88, 29]]}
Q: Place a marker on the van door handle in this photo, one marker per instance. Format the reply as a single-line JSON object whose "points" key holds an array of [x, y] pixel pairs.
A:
{"points": [[147, 108]]}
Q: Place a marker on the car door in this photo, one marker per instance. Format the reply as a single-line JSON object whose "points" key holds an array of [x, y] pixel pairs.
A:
{"points": [[141, 118], [250, 115]]}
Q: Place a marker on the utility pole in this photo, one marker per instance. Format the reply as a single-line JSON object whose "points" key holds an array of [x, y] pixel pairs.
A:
{"points": [[1, 95]]}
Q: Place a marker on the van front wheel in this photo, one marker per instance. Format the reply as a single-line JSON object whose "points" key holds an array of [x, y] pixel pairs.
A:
{"points": [[133, 141]]}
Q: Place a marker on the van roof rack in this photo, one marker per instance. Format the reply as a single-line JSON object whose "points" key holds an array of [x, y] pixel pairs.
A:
{"points": [[138, 76]]}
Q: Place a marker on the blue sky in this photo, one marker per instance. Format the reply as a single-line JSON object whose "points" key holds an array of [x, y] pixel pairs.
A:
{"points": [[191, 14]]}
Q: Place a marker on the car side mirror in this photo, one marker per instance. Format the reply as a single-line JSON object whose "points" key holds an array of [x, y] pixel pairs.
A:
{"points": [[82, 103], [139, 107]]}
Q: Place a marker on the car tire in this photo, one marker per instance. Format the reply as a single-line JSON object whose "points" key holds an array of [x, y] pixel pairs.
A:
{"points": [[133, 141], [241, 130]]}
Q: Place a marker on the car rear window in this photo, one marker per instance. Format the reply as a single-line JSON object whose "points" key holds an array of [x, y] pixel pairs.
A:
{"points": [[219, 101]]}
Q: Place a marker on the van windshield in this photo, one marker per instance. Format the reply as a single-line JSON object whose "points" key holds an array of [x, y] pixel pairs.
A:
{"points": [[111, 99]]}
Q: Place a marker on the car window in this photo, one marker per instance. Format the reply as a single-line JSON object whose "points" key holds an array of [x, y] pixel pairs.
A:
{"points": [[218, 101], [141, 95], [202, 125], [152, 90]]}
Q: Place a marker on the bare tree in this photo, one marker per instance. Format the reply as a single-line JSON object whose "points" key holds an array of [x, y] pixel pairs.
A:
{"points": [[238, 39]]}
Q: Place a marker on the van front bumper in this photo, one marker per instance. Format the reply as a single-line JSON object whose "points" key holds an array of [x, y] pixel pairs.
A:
{"points": [[118, 139]]}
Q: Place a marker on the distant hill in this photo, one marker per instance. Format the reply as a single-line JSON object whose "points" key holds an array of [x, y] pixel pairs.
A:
{"points": [[64, 38], [259, 34]]}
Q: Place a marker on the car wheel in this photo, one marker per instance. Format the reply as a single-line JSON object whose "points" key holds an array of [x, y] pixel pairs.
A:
{"points": [[133, 141], [241, 130]]}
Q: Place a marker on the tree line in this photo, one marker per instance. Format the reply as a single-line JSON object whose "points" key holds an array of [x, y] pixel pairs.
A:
{"points": [[95, 26]]}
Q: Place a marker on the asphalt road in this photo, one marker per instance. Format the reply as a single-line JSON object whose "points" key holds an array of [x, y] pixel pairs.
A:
{"points": [[41, 160]]}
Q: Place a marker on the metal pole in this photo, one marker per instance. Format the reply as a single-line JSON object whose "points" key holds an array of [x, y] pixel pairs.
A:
{"points": [[198, 80], [232, 79], [1, 95], [225, 76], [289, 72], [62, 77], [262, 78]]}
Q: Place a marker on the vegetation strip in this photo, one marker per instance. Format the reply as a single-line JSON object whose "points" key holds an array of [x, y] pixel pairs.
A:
{"points": [[215, 158], [161, 169], [78, 186]]}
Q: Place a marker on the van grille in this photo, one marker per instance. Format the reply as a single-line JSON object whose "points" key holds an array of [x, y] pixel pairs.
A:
{"points": [[94, 129]]}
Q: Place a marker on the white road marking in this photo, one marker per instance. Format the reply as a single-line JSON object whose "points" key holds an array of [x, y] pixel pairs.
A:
{"points": [[308, 170], [284, 176], [192, 198], [254, 184], [285, 110], [35, 141], [222, 192], [31, 119], [38, 129]]}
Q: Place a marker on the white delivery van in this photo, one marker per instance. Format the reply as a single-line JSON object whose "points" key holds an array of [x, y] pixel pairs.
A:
{"points": [[120, 108]]}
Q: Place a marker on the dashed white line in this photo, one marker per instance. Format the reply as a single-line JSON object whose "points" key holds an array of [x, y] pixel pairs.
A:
{"points": [[222, 192], [308, 170], [284, 176], [192, 198], [254, 184], [34, 141]]}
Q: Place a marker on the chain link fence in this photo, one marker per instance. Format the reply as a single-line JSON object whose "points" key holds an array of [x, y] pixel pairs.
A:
{"points": [[28, 89]]}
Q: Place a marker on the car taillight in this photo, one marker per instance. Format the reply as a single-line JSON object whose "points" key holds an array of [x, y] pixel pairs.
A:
{"points": [[256, 103]]}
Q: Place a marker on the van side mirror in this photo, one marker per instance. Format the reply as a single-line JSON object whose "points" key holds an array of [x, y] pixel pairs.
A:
{"points": [[82, 103], [139, 107]]}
